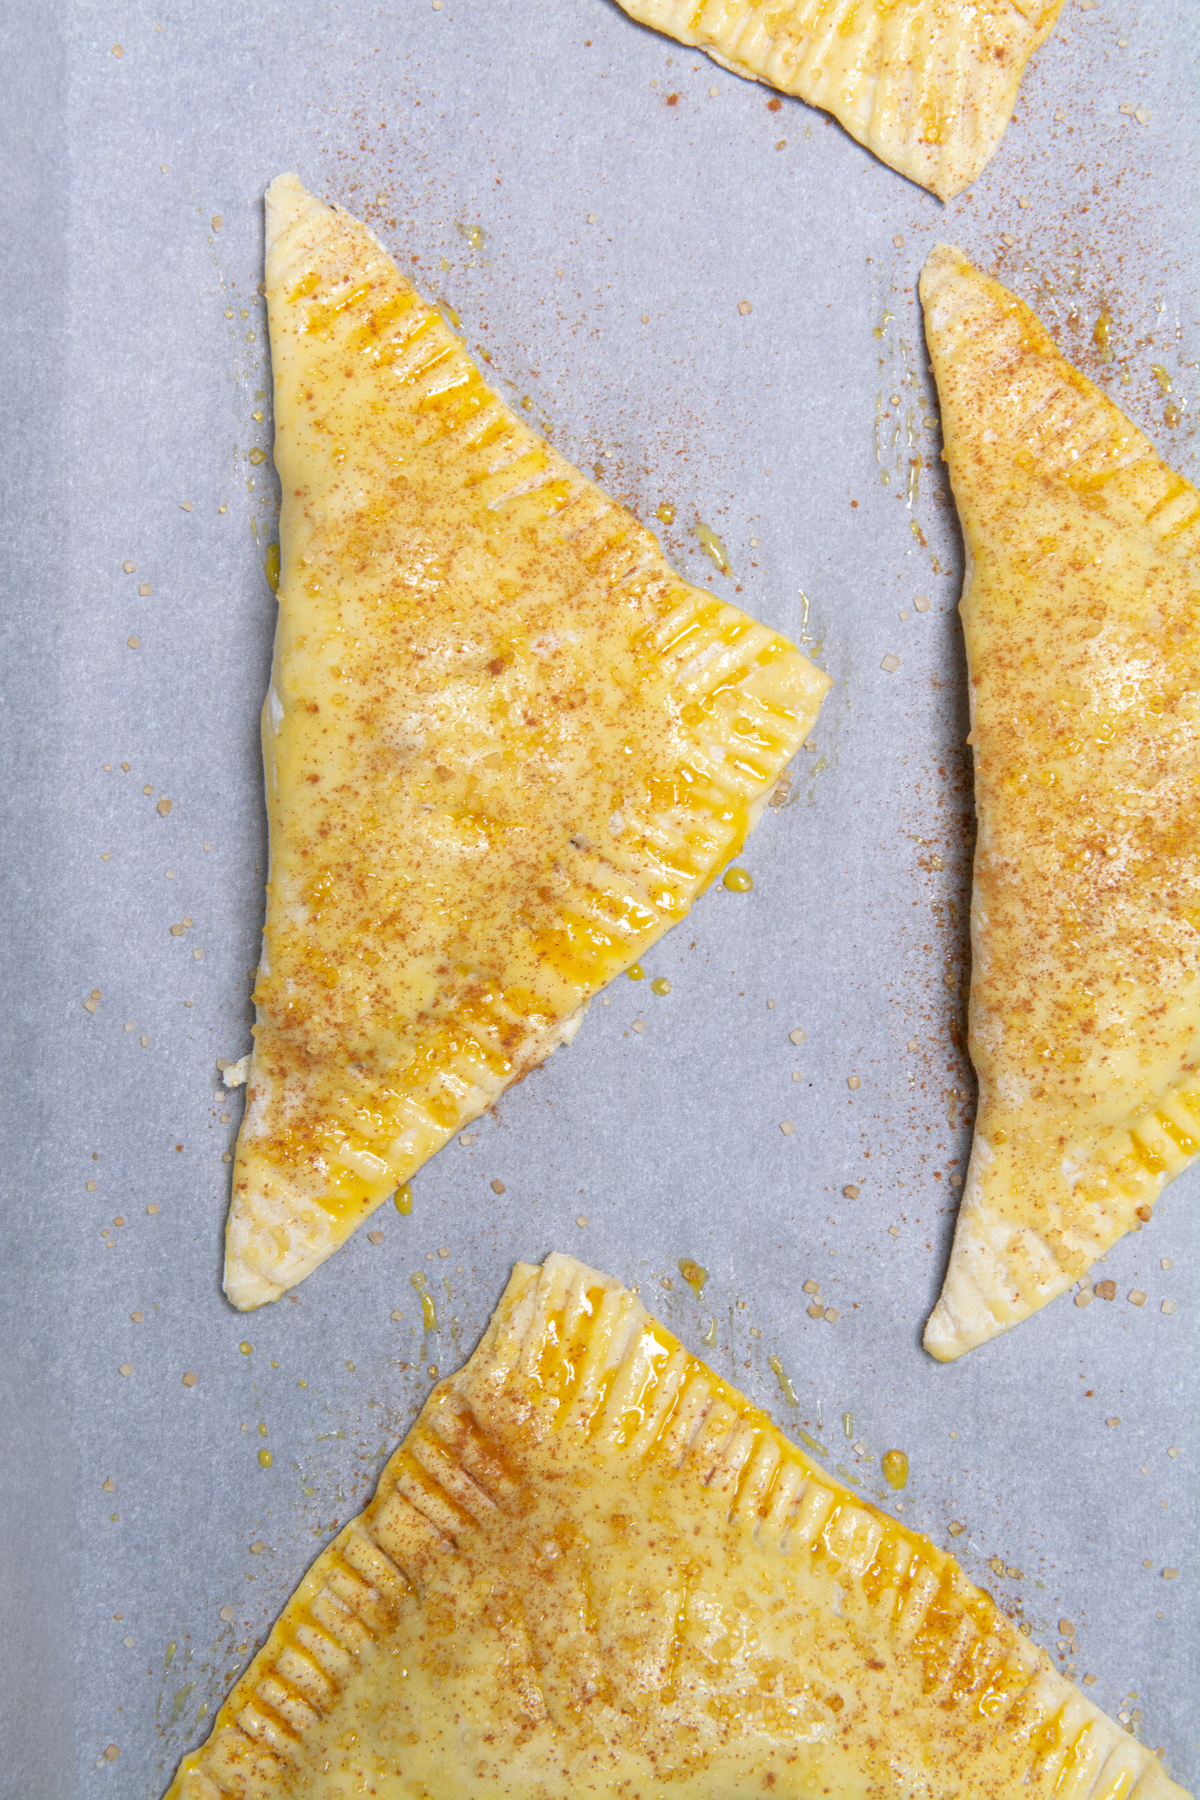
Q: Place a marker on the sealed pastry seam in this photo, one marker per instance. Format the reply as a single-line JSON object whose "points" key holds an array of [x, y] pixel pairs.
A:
{"points": [[1082, 621], [593, 1567], [506, 747], [928, 85]]}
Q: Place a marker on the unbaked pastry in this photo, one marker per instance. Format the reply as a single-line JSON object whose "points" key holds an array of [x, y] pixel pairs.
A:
{"points": [[506, 747], [928, 85], [1081, 608], [593, 1568]]}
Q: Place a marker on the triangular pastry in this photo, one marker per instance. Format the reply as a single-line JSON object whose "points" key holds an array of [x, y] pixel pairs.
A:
{"points": [[593, 1568], [928, 85], [1081, 608], [506, 747]]}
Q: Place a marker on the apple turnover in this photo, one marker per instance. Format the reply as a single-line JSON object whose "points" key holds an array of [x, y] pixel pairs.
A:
{"points": [[506, 748], [928, 85], [593, 1568], [1081, 608]]}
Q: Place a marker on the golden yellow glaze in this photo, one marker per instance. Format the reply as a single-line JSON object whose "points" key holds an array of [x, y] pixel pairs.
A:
{"points": [[592, 1568], [1081, 609], [928, 85], [506, 747]]}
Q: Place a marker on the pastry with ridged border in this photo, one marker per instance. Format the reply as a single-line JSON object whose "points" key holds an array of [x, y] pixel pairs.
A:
{"points": [[1081, 608], [928, 85], [594, 1568], [506, 748]]}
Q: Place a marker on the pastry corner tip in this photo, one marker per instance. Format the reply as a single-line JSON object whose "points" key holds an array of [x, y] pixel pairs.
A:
{"points": [[286, 191], [943, 261], [286, 200], [942, 1339], [245, 1289]]}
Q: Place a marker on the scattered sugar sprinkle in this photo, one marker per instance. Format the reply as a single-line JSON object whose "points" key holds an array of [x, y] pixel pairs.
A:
{"points": [[797, 1036], [890, 663], [1112, 1423], [444, 1251], [1168, 1306], [832, 1315], [744, 307], [1170, 1574], [189, 1379], [852, 1081], [787, 1128], [1136, 1297], [850, 1191], [581, 1220], [498, 1186], [125, 1369], [375, 1237]]}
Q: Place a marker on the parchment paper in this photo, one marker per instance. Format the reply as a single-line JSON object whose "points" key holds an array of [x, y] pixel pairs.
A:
{"points": [[595, 203]]}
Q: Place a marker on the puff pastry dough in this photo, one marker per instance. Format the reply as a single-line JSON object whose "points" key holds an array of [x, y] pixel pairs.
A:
{"points": [[506, 747], [1081, 608], [592, 1568], [928, 85]]}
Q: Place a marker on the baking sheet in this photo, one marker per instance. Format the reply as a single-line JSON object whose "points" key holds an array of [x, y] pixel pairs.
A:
{"points": [[595, 203]]}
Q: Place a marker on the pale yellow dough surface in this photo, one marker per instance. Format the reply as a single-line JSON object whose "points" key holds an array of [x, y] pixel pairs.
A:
{"points": [[506, 747], [593, 1569], [1082, 617], [928, 85]]}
